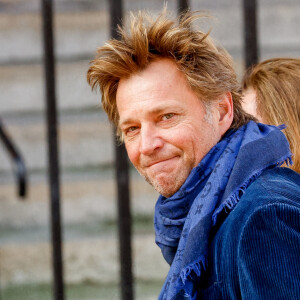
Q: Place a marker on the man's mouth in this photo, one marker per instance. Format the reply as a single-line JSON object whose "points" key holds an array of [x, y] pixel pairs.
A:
{"points": [[160, 161]]}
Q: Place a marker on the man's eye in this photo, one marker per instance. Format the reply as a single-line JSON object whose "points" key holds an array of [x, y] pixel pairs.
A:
{"points": [[168, 116], [131, 130]]}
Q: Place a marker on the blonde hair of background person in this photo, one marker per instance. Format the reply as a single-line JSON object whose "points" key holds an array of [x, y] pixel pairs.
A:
{"points": [[274, 86], [149, 40]]}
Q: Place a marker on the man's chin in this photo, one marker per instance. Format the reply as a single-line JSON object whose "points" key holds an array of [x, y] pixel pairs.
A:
{"points": [[167, 184], [165, 188]]}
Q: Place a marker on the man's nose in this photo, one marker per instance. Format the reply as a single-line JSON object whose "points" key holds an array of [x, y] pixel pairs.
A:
{"points": [[150, 139]]}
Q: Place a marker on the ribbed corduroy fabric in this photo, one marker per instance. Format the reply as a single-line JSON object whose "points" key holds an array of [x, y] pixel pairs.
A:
{"points": [[255, 253]]}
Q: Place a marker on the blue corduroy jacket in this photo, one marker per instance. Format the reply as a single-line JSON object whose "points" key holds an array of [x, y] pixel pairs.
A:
{"points": [[255, 252]]}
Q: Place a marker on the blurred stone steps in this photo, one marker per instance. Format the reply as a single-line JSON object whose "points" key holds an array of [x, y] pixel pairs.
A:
{"points": [[88, 208], [22, 88], [83, 200], [94, 260], [78, 32], [76, 35], [85, 140]]}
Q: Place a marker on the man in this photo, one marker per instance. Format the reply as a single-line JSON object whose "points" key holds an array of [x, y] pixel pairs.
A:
{"points": [[228, 218]]}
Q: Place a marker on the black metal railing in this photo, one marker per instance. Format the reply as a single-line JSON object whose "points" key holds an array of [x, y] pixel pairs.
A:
{"points": [[250, 32], [122, 179], [53, 160], [183, 5]]}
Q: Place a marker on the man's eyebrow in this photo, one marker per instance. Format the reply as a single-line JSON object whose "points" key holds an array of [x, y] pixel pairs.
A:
{"points": [[125, 122], [155, 111], [159, 110]]}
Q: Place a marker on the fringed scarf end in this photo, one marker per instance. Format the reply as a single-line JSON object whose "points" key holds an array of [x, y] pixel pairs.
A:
{"points": [[193, 269], [288, 161], [231, 202], [281, 127]]}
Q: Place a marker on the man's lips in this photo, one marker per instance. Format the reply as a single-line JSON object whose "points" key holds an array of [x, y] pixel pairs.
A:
{"points": [[159, 161]]}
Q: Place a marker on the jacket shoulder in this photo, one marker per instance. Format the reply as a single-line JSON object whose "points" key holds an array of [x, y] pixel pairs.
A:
{"points": [[278, 185], [268, 259], [259, 241], [274, 186]]}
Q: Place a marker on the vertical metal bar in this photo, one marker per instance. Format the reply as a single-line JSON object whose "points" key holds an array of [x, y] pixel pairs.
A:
{"points": [[124, 223], [183, 5], [250, 28], [116, 14], [53, 161], [122, 177]]}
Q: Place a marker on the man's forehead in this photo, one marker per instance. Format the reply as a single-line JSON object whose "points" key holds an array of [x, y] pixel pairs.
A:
{"points": [[161, 87], [155, 80]]}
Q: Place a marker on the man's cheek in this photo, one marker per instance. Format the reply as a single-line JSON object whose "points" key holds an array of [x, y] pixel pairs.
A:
{"points": [[132, 154]]}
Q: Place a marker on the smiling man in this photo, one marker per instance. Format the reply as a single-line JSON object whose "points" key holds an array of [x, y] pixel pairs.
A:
{"points": [[166, 130], [228, 218]]}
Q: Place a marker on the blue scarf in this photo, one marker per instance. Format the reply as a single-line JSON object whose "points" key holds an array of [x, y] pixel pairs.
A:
{"points": [[184, 221]]}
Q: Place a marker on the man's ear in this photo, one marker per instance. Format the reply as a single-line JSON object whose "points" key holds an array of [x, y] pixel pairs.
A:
{"points": [[225, 109]]}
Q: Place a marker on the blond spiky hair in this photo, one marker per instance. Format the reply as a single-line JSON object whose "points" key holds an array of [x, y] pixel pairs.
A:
{"points": [[208, 69]]}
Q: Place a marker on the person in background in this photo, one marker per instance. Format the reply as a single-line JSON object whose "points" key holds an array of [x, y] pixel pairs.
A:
{"points": [[228, 217], [272, 94]]}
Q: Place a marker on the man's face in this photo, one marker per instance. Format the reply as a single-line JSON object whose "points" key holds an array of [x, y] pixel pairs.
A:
{"points": [[164, 124]]}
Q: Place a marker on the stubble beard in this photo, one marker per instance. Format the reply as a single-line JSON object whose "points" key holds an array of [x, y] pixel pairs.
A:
{"points": [[167, 186]]}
